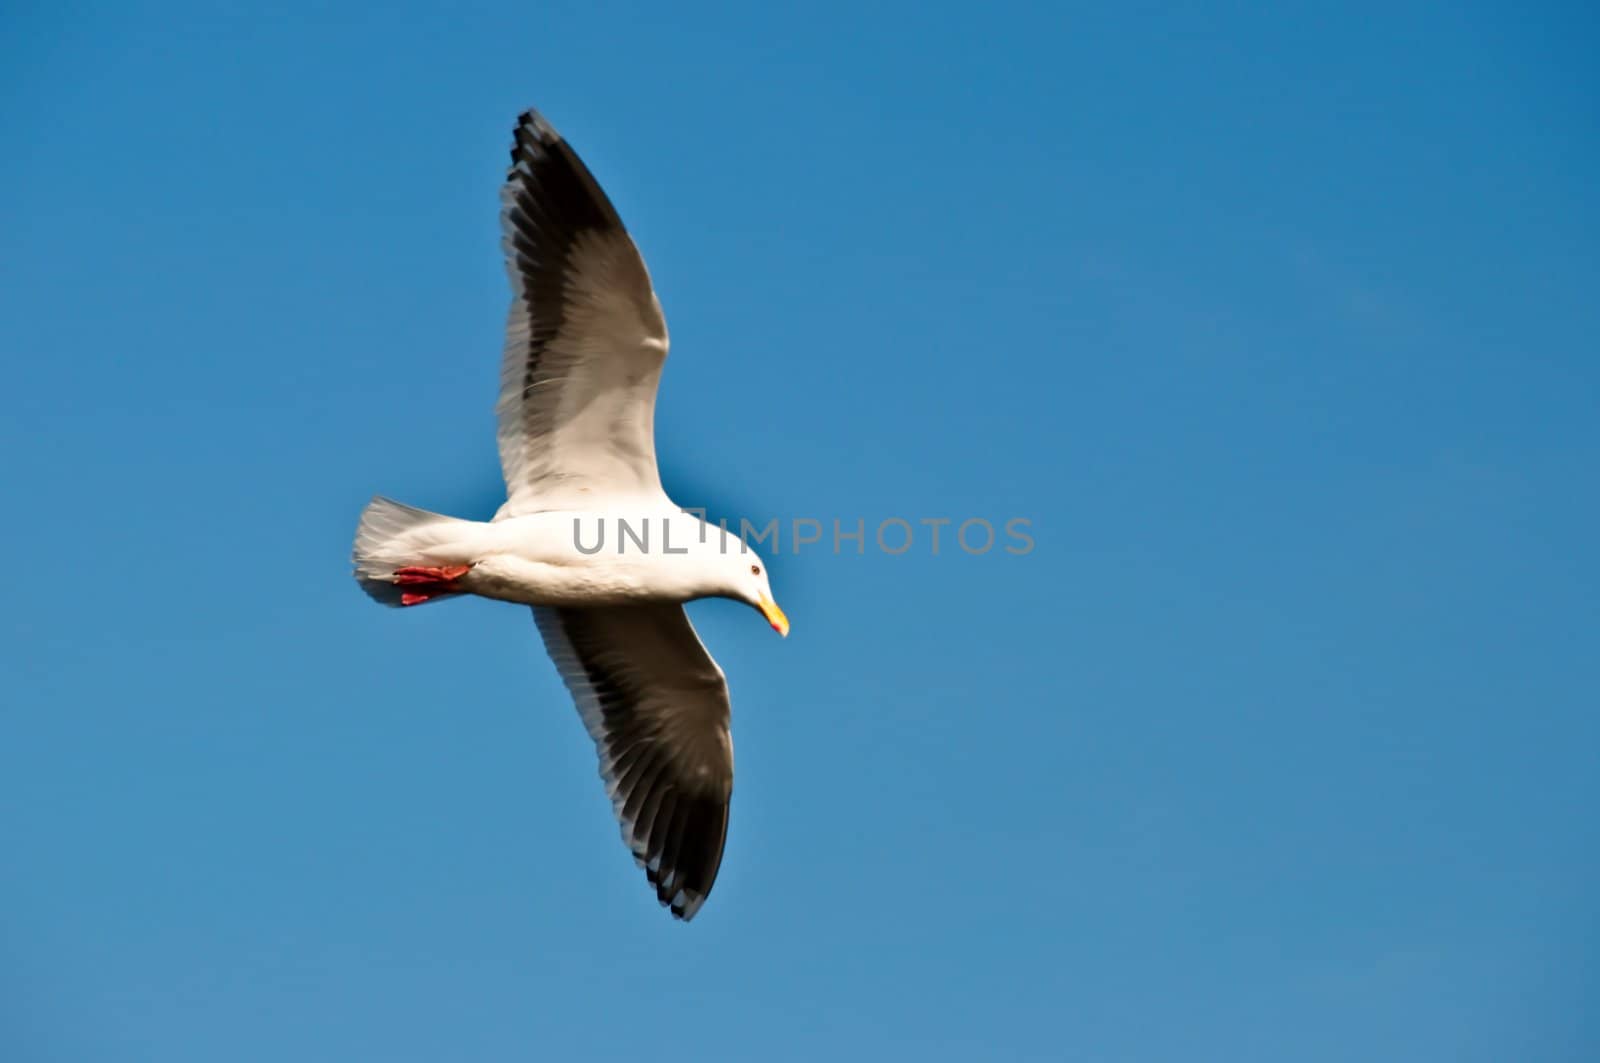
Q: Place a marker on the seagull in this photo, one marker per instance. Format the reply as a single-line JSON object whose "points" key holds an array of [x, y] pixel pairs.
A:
{"points": [[587, 536]]}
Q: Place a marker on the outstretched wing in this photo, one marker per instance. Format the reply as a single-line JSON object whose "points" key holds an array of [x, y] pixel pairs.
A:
{"points": [[585, 340], [657, 707]]}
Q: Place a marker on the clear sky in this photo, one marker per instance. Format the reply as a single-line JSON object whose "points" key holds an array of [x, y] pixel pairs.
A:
{"points": [[1280, 329]]}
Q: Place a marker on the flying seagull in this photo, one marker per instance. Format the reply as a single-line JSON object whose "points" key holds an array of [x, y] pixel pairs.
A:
{"points": [[587, 536]]}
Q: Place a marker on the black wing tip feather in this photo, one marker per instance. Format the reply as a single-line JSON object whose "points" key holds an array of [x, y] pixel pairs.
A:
{"points": [[686, 848], [533, 131], [544, 165], [540, 125]]}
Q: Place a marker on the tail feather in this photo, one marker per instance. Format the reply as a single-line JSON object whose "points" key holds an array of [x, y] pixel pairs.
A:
{"points": [[393, 535]]}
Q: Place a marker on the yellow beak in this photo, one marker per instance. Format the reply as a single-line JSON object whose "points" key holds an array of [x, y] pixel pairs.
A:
{"points": [[774, 615]]}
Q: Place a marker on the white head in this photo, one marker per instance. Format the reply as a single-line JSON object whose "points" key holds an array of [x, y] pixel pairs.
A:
{"points": [[730, 569], [748, 579]]}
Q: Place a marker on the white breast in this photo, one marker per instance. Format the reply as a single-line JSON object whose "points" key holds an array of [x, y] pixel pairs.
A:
{"points": [[568, 558]]}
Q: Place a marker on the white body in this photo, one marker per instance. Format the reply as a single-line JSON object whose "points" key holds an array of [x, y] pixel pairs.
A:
{"points": [[632, 554]]}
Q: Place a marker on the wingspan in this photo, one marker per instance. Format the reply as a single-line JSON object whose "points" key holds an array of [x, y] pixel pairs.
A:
{"points": [[585, 339], [657, 707]]}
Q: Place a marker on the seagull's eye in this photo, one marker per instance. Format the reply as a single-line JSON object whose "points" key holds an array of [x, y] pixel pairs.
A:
{"points": [[755, 570]]}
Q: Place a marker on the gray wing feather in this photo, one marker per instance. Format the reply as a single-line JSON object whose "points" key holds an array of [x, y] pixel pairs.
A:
{"points": [[585, 338], [657, 707]]}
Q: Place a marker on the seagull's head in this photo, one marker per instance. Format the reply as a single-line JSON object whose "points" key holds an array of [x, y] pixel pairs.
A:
{"points": [[750, 585]]}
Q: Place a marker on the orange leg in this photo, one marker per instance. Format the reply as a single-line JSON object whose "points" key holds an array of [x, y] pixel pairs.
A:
{"points": [[438, 579]]}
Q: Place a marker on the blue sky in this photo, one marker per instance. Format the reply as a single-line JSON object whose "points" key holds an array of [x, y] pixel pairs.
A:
{"points": [[1280, 329]]}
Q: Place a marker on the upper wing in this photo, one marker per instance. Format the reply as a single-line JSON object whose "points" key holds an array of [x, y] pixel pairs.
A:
{"points": [[585, 340], [656, 705]]}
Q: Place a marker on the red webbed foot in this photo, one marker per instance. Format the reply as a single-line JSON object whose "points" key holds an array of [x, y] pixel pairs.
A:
{"points": [[438, 579]]}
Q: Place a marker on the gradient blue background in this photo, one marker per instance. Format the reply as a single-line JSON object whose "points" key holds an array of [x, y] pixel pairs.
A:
{"points": [[1280, 328]]}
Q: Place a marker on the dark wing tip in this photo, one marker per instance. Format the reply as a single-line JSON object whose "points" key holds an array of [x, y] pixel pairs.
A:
{"points": [[546, 171], [533, 127], [683, 851]]}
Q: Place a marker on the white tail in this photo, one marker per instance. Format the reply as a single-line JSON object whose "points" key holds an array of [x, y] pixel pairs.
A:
{"points": [[394, 535]]}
